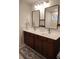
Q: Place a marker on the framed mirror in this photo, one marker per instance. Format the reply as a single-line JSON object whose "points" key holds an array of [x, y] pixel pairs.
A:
{"points": [[35, 18], [52, 17]]}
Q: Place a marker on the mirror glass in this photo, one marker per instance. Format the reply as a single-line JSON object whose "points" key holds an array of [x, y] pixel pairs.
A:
{"points": [[51, 17], [35, 18]]}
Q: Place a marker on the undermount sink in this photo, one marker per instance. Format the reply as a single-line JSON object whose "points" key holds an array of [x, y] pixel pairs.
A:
{"points": [[44, 32]]}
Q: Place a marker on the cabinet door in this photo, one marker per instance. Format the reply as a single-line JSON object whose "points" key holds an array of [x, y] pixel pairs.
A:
{"points": [[26, 38], [48, 48], [38, 44], [51, 49], [31, 40], [44, 46]]}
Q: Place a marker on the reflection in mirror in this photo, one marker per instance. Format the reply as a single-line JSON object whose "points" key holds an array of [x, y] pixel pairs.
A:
{"points": [[35, 18], [51, 17]]}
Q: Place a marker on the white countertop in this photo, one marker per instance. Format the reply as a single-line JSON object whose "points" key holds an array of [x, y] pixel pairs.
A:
{"points": [[54, 33]]}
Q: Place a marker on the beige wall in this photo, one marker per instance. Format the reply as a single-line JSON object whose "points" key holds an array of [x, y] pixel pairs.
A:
{"points": [[24, 16]]}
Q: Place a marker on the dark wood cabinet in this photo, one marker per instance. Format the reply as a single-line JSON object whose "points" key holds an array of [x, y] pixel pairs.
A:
{"points": [[28, 39], [45, 46], [38, 44]]}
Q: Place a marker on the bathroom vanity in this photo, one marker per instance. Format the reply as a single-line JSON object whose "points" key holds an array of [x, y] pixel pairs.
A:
{"points": [[44, 37], [46, 44]]}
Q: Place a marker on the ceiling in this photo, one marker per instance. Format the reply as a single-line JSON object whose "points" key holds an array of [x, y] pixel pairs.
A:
{"points": [[33, 1], [30, 1]]}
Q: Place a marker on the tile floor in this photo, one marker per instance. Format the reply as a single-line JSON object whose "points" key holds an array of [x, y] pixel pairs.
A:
{"points": [[28, 53]]}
